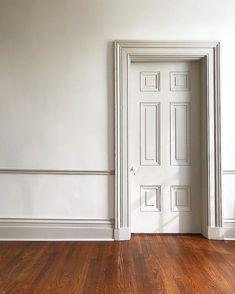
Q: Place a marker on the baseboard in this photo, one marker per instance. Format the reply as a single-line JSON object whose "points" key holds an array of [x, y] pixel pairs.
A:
{"points": [[56, 230], [225, 233], [14, 229], [215, 233], [229, 233], [122, 234]]}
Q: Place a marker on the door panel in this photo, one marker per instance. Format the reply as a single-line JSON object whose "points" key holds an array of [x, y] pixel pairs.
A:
{"points": [[150, 133], [180, 133], [164, 147]]}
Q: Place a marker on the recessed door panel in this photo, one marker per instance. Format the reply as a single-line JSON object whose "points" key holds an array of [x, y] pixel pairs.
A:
{"points": [[180, 133], [150, 133]]}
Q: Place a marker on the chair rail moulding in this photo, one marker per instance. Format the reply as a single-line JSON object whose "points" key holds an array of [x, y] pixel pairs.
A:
{"points": [[57, 172], [126, 52]]}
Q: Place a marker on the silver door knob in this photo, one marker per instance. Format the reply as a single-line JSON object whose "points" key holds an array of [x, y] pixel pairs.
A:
{"points": [[134, 169]]}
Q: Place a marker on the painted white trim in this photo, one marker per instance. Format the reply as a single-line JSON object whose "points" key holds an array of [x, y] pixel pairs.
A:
{"points": [[229, 233], [229, 172], [56, 230], [56, 172], [126, 52], [229, 220], [224, 233], [215, 233], [122, 234], [167, 44]]}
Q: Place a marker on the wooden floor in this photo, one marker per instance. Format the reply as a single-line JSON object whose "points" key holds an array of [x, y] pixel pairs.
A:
{"points": [[146, 264]]}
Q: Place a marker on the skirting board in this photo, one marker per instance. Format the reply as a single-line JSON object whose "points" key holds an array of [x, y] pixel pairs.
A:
{"points": [[229, 233], [79, 230], [56, 230], [122, 234], [224, 233], [215, 233]]}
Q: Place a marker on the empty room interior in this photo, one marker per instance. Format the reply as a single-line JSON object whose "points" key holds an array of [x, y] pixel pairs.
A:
{"points": [[117, 139]]}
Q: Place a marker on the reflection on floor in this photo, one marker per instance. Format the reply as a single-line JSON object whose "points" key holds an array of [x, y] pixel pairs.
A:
{"points": [[146, 264]]}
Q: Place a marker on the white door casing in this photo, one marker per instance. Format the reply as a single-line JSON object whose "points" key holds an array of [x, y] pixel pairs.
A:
{"points": [[164, 147], [127, 52]]}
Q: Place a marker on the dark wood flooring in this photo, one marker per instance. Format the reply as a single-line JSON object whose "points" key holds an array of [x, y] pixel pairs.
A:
{"points": [[146, 264]]}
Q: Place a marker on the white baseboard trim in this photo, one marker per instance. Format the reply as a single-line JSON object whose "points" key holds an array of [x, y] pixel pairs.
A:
{"points": [[122, 234], [15, 229], [56, 229], [229, 233], [225, 233], [215, 233]]}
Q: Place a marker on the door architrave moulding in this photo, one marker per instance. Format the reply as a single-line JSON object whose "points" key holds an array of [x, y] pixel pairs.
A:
{"points": [[126, 52]]}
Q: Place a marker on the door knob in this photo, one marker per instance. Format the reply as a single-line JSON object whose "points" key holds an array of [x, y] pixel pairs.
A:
{"points": [[134, 169]]}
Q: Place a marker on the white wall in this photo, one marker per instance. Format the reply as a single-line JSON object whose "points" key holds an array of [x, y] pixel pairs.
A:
{"points": [[56, 94]]}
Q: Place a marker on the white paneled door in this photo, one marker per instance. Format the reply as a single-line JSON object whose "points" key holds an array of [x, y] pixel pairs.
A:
{"points": [[164, 147]]}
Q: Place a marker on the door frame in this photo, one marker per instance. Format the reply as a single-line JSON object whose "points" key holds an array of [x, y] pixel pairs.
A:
{"points": [[126, 52]]}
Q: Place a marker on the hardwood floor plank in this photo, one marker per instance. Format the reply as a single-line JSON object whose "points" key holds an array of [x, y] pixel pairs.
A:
{"points": [[145, 264]]}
